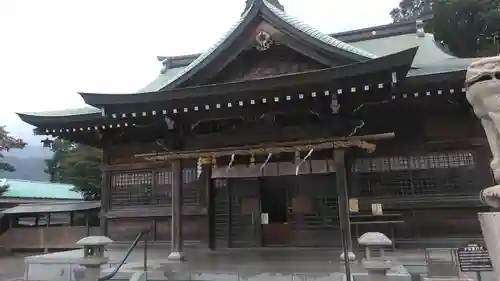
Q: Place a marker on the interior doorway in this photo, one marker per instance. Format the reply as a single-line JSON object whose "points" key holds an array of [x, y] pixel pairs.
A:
{"points": [[274, 208]]}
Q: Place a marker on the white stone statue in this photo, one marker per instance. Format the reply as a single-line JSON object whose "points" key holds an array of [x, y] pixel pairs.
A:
{"points": [[483, 93]]}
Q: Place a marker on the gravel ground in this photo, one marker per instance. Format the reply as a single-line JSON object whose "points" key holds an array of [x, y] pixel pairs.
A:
{"points": [[12, 267]]}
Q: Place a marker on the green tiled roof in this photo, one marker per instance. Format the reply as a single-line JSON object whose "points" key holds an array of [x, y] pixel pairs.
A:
{"points": [[313, 32], [164, 80], [430, 58], [39, 190]]}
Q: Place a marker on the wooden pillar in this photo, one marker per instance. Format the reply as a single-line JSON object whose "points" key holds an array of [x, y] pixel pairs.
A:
{"points": [[177, 239], [342, 193], [206, 178], [44, 237], [105, 192], [87, 223]]}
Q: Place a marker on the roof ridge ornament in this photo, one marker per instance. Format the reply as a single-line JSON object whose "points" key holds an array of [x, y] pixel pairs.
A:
{"points": [[275, 3]]}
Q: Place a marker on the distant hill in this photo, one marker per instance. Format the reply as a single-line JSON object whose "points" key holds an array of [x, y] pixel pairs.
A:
{"points": [[26, 169], [29, 163], [30, 151]]}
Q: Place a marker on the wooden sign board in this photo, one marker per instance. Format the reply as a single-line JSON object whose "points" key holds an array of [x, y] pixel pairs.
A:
{"points": [[353, 205], [474, 258]]}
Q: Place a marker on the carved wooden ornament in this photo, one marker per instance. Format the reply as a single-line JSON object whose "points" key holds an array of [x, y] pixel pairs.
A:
{"points": [[263, 40]]}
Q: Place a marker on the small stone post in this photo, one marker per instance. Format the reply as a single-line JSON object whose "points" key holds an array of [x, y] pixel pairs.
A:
{"points": [[376, 265], [93, 257]]}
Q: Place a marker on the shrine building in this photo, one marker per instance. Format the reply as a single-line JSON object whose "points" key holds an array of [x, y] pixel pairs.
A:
{"points": [[279, 134]]}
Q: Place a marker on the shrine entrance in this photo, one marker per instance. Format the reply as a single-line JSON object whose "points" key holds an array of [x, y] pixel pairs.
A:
{"points": [[274, 218], [277, 211]]}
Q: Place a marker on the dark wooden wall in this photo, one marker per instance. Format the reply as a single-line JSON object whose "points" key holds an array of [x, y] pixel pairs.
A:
{"points": [[141, 198], [126, 229], [428, 178]]}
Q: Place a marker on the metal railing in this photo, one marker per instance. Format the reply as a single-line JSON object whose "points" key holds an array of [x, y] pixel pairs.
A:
{"points": [[127, 254]]}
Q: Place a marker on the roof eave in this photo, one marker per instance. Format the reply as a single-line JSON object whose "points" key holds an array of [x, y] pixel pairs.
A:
{"points": [[404, 58], [453, 76], [37, 120]]}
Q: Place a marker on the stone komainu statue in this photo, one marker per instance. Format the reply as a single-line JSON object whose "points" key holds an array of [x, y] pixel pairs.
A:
{"points": [[483, 93]]}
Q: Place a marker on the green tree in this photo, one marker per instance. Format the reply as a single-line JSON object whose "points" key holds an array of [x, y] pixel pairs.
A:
{"points": [[8, 142], [3, 189], [78, 165], [60, 149], [411, 10], [468, 28]]}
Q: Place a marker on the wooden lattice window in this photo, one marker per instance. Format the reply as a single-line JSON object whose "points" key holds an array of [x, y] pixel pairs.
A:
{"points": [[190, 186], [131, 188], [163, 188], [455, 159], [433, 173]]}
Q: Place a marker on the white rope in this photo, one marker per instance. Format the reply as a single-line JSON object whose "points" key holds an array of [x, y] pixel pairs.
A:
{"points": [[265, 162], [303, 160]]}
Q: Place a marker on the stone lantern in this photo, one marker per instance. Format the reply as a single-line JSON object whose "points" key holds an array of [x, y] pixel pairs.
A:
{"points": [[93, 257], [375, 261]]}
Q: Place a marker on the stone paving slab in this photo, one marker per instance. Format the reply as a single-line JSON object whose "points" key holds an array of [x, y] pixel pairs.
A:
{"points": [[12, 267], [296, 263]]}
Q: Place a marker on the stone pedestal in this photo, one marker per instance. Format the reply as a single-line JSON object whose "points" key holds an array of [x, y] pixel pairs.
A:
{"points": [[377, 269], [490, 225]]}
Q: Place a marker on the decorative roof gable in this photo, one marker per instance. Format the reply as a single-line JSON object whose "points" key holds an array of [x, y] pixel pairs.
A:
{"points": [[276, 17], [278, 59]]}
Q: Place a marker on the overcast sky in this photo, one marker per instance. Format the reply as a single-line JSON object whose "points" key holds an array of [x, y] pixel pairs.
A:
{"points": [[52, 49]]}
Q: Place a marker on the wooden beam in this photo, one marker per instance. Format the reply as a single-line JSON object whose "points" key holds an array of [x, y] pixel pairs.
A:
{"points": [[105, 191], [134, 166], [318, 144], [266, 130]]}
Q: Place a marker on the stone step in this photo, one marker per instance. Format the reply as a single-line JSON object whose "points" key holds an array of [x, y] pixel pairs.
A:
{"points": [[158, 275], [194, 276]]}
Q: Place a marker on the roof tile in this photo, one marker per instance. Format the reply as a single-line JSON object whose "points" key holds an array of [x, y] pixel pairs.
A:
{"points": [[313, 32]]}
